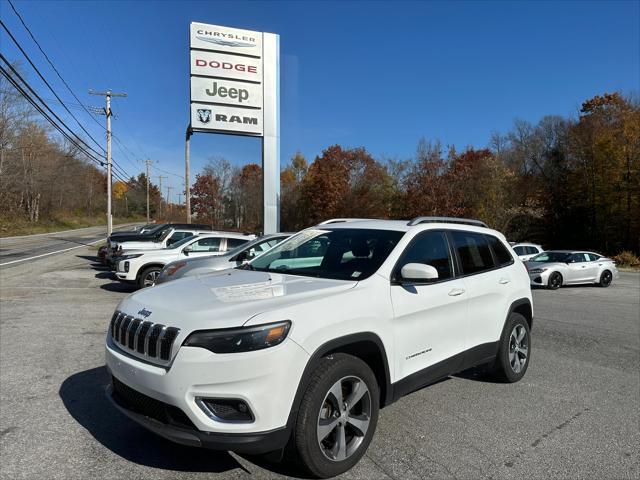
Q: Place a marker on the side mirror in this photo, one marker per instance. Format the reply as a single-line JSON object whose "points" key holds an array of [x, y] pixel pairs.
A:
{"points": [[187, 249], [418, 273], [242, 257]]}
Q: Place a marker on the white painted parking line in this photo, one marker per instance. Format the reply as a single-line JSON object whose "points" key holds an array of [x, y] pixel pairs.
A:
{"points": [[50, 253]]}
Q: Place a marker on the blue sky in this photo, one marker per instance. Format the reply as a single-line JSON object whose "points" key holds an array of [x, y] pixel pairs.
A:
{"points": [[374, 74]]}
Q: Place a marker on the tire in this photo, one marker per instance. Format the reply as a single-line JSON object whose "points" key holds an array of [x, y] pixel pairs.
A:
{"points": [[149, 274], [320, 416], [605, 279], [513, 345], [555, 281]]}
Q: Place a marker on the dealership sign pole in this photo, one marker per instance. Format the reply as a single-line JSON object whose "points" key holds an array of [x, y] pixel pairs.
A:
{"points": [[235, 90]]}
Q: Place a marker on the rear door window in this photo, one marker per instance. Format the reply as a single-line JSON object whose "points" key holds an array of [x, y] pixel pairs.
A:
{"points": [[473, 251]]}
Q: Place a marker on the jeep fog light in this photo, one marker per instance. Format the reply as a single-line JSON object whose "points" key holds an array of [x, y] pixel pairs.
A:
{"points": [[231, 410]]}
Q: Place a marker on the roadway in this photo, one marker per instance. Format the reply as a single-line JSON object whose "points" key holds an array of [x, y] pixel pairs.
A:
{"points": [[15, 250], [574, 415]]}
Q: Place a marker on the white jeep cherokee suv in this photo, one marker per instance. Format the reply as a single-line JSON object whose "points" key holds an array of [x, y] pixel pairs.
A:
{"points": [[303, 345]]}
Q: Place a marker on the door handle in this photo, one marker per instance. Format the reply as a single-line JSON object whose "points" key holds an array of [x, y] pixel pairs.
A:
{"points": [[456, 291], [503, 281]]}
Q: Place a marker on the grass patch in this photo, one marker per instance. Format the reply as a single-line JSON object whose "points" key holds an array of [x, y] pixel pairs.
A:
{"points": [[13, 227]]}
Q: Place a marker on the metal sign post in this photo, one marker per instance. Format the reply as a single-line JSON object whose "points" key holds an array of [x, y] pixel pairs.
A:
{"points": [[235, 90]]}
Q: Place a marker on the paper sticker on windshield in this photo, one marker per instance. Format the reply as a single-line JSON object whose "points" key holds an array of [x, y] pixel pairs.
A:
{"points": [[301, 238]]}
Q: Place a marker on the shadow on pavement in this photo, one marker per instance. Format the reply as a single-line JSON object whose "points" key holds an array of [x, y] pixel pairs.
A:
{"points": [[83, 395], [119, 287], [96, 265]]}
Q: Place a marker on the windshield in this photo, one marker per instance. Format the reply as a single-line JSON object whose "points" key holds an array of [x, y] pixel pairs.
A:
{"points": [[343, 254], [551, 257], [181, 242], [162, 234], [257, 241]]}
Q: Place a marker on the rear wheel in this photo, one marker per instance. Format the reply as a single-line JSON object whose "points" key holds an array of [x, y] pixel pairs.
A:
{"points": [[148, 276], [555, 281], [605, 279], [514, 352], [337, 417]]}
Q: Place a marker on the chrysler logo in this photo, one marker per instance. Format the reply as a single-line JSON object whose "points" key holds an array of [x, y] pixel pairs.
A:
{"points": [[226, 42]]}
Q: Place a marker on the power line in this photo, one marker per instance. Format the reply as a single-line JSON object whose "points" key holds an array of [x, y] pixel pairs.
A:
{"points": [[51, 63], [17, 86], [165, 171], [49, 86]]}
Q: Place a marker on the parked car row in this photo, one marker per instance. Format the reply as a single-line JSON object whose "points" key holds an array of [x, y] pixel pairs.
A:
{"points": [[139, 258]]}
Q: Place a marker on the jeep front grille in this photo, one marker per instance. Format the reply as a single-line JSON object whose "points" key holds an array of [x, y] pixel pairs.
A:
{"points": [[142, 337]]}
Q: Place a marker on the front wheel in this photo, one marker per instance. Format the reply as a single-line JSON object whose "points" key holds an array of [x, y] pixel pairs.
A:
{"points": [[514, 352], [337, 417], [605, 279], [555, 281], [148, 276]]}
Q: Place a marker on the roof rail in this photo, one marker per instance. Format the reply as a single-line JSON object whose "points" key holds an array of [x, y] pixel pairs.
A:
{"points": [[462, 221], [341, 220]]}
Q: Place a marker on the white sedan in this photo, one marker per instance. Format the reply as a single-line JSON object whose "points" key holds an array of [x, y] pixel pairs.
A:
{"points": [[142, 267], [555, 268]]}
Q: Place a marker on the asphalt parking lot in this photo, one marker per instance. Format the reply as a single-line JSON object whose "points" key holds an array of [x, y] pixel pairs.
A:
{"points": [[575, 415]]}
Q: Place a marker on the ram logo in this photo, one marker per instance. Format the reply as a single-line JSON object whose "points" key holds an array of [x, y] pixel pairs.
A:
{"points": [[204, 115]]}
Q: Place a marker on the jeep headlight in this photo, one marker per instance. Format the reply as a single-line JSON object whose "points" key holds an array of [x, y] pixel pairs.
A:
{"points": [[244, 339]]}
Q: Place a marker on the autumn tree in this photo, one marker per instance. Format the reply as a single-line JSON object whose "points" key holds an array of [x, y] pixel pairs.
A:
{"points": [[345, 183], [205, 199]]}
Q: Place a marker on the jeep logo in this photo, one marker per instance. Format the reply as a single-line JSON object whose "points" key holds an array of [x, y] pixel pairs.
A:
{"points": [[144, 312], [240, 94]]}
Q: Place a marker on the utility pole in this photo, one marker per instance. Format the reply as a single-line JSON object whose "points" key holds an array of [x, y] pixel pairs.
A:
{"points": [[148, 163], [107, 111], [187, 189], [169, 188], [179, 199], [160, 177]]}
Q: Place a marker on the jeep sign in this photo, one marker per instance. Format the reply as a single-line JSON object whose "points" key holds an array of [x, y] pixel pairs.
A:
{"points": [[216, 90]]}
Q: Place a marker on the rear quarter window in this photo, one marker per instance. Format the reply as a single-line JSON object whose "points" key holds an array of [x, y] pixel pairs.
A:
{"points": [[500, 252]]}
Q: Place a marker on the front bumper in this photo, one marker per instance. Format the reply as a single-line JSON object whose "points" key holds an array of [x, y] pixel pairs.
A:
{"points": [[539, 279], [247, 443], [266, 380]]}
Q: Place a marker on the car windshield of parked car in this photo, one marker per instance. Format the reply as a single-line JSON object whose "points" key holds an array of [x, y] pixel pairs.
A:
{"points": [[343, 254], [181, 242], [551, 257]]}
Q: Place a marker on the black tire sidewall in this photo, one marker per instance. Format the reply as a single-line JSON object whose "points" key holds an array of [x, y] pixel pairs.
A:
{"points": [[601, 282], [550, 285], [503, 366], [329, 371], [144, 273]]}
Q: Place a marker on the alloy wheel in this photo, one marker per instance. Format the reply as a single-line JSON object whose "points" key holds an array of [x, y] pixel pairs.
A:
{"points": [[150, 278], [606, 278], [344, 418], [518, 348]]}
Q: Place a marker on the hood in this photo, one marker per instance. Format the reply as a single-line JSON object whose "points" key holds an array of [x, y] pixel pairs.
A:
{"points": [[547, 265], [228, 298], [131, 237], [139, 245]]}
